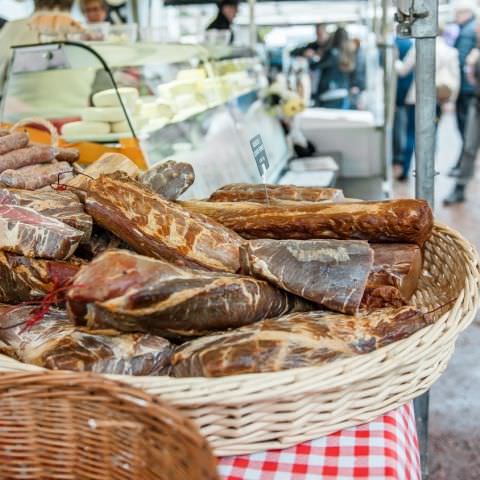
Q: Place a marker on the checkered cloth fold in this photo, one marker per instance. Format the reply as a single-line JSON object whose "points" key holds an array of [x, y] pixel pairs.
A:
{"points": [[384, 449]]}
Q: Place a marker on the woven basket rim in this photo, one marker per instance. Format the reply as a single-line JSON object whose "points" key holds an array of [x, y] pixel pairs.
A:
{"points": [[266, 382]]}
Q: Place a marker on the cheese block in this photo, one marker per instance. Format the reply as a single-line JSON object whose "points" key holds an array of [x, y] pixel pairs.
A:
{"points": [[109, 98], [148, 109], [164, 109], [85, 128], [123, 127], [103, 114]]}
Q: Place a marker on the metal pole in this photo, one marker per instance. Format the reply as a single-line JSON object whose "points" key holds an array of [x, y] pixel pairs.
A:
{"points": [[252, 24], [419, 19], [425, 113]]}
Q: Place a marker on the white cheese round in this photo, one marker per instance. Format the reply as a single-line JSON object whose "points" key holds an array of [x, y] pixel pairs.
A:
{"points": [[109, 98], [85, 128], [103, 114]]}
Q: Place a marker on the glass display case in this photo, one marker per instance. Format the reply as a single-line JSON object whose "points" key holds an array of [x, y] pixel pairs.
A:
{"points": [[182, 102]]}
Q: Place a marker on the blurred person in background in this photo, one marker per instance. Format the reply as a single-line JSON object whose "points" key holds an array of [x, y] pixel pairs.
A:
{"points": [[227, 11], [95, 11], [335, 69], [358, 81], [2, 22], [403, 137], [465, 11], [20, 32], [471, 143], [447, 79], [314, 50]]}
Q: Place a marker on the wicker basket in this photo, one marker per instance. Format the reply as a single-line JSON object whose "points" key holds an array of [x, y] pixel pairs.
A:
{"points": [[64, 425], [248, 413]]}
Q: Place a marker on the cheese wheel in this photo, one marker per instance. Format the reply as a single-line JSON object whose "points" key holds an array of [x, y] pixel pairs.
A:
{"points": [[148, 109], [164, 109], [123, 127], [85, 128], [191, 74], [103, 114], [109, 98]]}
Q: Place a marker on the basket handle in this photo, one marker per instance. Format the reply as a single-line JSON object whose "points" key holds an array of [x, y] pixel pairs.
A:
{"points": [[40, 121]]}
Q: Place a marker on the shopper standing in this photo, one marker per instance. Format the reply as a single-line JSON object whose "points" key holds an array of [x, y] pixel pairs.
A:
{"points": [[227, 11], [335, 70], [447, 80], [95, 11], [471, 144], [466, 41]]}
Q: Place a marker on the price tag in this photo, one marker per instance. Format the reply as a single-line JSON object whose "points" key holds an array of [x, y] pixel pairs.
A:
{"points": [[260, 155]]}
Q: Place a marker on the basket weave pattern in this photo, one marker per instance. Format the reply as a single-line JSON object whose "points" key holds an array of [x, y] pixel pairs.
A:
{"points": [[248, 413], [63, 425]]}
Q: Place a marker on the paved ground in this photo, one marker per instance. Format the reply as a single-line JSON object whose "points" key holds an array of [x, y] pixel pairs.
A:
{"points": [[455, 399]]}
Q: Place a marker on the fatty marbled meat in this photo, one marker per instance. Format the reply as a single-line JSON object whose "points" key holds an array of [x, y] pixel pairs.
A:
{"points": [[157, 227], [27, 232], [24, 279], [170, 179], [56, 343], [332, 273], [64, 206], [34, 177], [295, 340], [392, 221], [130, 292], [274, 194]]}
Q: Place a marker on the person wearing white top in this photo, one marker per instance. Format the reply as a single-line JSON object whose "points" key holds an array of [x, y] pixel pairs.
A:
{"points": [[447, 84]]}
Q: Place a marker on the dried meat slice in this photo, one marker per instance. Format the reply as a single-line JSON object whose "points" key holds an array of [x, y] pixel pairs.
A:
{"points": [[129, 293], [274, 194], [64, 206], [27, 232], [24, 279], [56, 343], [392, 221], [332, 273], [159, 228], [295, 340], [170, 179]]}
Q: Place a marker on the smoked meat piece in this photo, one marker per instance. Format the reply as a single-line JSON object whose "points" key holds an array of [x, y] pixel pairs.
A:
{"points": [[12, 141], [129, 292], [401, 221], [99, 242], [295, 340], [170, 179], [396, 265], [64, 206], [24, 279], [27, 156], [56, 343], [26, 232], [34, 177], [332, 273], [274, 194], [159, 228]]}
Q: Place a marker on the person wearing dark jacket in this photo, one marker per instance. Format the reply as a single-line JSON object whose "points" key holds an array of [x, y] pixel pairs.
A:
{"points": [[227, 11], [465, 43], [2, 22]]}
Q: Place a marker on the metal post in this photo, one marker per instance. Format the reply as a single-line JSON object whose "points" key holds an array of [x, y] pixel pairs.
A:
{"points": [[419, 19], [252, 24]]}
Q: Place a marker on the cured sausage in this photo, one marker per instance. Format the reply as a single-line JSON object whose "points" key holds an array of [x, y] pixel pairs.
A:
{"points": [[12, 141], [26, 156]]}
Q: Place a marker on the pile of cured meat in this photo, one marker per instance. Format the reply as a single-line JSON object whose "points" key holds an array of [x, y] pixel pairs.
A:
{"points": [[115, 275], [32, 166]]}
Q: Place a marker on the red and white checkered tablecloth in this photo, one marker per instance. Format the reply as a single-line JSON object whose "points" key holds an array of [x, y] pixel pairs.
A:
{"points": [[385, 449]]}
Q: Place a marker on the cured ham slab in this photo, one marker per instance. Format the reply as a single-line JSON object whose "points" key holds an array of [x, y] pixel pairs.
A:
{"points": [[64, 206], [170, 179], [393, 221], [129, 292], [56, 343], [274, 194], [26, 232], [332, 273], [100, 241], [23, 279], [295, 340], [157, 227]]}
